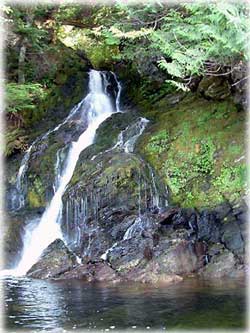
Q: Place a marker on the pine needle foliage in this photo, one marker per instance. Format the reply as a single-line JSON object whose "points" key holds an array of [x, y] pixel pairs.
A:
{"points": [[192, 39], [23, 97]]}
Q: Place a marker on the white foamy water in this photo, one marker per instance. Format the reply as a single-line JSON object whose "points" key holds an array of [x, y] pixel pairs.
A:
{"points": [[99, 107], [19, 199]]}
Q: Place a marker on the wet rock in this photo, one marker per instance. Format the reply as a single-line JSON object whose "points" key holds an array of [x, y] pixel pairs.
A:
{"points": [[208, 227], [103, 199], [131, 252], [55, 260], [103, 272], [80, 272], [139, 259], [152, 274], [180, 219], [222, 265], [118, 231], [240, 212], [136, 246], [240, 85], [108, 131], [128, 254], [168, 262], [215, 249], [223, 210], [179, 255], [232, 238], [92, 272]]}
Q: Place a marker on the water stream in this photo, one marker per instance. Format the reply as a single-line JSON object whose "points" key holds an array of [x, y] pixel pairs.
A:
{"points": [[18, 197]]}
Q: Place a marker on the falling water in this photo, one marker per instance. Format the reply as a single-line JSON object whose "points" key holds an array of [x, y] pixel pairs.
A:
{"points": [[118, 95], [19, 197], [155, 193], [128, 137], [99, 107]]}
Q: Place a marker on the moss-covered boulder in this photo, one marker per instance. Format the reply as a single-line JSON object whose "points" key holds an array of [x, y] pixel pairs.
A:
{"points": [[198, 149], [214, 87]]}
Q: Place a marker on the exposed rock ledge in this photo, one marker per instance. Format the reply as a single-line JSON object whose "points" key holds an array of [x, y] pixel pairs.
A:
{"points": [[160, 248]]}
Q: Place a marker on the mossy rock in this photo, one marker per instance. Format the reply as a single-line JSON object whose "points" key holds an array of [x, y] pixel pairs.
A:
{"points": [[102, 192], [45, 155], [198, 149], [214, 87]]}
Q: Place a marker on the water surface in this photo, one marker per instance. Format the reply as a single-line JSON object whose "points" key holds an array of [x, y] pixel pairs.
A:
{"points": [[36, 304]]}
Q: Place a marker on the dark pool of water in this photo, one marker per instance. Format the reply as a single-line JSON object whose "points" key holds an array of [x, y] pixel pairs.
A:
{"points": [[35, 305]]}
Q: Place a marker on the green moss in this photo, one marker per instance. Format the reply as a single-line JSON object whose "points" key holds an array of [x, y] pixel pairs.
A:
{"points": [[36, 193], [197, 148], [231, 177], [158, 142], [34, 199]]}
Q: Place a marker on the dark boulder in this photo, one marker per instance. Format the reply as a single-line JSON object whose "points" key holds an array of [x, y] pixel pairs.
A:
{"points": [[135, 247], [239, 85], [208, 227], [223, 264], [55, 260], [232, 238], [103, 199]]}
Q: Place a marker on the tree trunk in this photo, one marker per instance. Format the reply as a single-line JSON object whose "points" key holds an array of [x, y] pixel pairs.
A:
{"points": [[29, 18], [21, 62]]}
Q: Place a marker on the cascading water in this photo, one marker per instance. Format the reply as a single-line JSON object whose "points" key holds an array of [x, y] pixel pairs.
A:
{"points": [[18, 197], [98, 106], [128, 137], [118, 95]]}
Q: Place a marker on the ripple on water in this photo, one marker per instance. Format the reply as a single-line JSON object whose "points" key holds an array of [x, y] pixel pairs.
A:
{"points": [[42, 305]]}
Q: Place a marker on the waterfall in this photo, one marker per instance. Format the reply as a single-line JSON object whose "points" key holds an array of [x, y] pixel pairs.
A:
{"points": [[98, 107], [19, 197], [118, 95], [155, 193]]}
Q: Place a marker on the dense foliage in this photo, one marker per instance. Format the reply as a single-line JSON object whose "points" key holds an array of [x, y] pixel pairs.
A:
{"points": [[183, 40], [189, 39]]}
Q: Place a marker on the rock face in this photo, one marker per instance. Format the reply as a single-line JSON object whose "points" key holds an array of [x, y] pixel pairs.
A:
{"points": [[160, 248], [92, 272], [240, 85], [102, 204], [108, 190], [223, 265], [55, 260]]}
